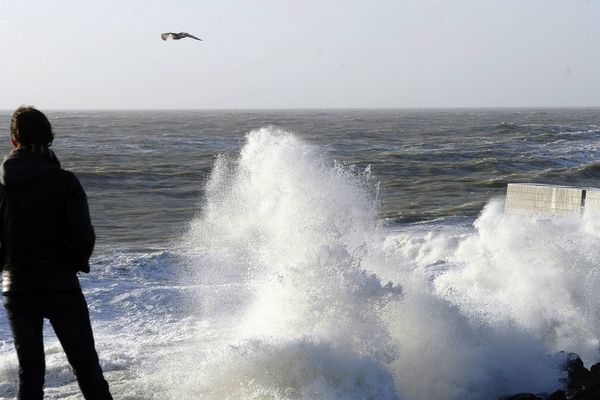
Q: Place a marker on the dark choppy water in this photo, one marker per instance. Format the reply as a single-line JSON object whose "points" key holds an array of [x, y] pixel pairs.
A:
{"points": [[144, 170]]}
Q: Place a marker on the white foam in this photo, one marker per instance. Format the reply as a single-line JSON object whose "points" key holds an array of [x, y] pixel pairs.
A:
{"points": [[539, 274], [302, 234], [497, 302]]}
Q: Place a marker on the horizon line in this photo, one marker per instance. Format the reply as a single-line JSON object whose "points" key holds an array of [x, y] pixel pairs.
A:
{"points": [[325, 108]]}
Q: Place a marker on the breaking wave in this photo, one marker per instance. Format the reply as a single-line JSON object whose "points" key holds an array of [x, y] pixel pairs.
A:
{"points": [[323, 297]]}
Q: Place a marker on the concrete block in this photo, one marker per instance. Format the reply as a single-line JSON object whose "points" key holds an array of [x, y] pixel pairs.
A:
{"points": [[592, 201], [527, 198]]}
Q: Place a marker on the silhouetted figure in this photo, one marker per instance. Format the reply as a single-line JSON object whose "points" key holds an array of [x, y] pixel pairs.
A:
{"points": [[177, 36], [46, 237]]}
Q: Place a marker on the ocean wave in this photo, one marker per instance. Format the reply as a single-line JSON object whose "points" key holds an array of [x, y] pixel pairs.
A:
{"points": [[581, 174], [302, 236], [287, 285]]}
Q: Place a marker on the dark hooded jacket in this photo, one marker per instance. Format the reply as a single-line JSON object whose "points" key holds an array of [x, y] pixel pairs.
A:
{"points": [[46, 235]]}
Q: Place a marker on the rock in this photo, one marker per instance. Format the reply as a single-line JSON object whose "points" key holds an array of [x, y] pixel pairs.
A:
{"points": [[558, 395], [577, 373], [523, 396], [579, 383], [592, 385], [577, 377]]}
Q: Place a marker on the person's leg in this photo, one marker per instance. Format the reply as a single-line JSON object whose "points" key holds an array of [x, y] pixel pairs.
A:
{"points": [[69, 316], [26, 322]]}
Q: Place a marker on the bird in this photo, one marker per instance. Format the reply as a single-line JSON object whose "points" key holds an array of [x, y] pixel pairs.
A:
{"points": [[177, 36]]}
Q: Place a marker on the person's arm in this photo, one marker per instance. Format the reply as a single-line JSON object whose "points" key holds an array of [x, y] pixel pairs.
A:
{"points": [[80, 232]]}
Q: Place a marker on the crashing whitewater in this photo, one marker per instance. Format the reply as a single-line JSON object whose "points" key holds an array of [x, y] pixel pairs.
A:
{"points": [[333, 304], [290, 287]]}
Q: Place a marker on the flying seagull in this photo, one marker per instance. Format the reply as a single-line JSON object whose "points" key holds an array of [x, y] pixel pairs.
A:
{"points": [[177, 36]]}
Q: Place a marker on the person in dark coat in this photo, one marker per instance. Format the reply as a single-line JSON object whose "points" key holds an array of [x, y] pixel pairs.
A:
{"points": [[46, 238]]}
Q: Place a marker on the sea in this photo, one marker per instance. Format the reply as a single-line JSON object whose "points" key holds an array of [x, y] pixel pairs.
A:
{"points": [[328, 254]]}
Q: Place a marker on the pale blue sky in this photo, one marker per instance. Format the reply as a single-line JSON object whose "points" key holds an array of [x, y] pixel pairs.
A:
{"points": [[67, 54]]}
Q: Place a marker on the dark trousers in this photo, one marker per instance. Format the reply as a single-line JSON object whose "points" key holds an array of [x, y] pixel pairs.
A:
{"points": [[69, 316]]}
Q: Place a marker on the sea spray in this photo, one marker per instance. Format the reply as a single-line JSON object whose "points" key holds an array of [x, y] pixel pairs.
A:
{"points": [[535, 272], [294, 241], [293, 228], [498, 302]]}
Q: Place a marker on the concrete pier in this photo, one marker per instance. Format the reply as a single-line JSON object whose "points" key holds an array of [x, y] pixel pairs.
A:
{"points": [[529, 198]]}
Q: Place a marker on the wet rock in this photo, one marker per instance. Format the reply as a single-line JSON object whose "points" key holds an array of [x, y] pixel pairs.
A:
{"points": [[577, 373], [523, 396], [558, 395], [591, 390], [580, 383]]}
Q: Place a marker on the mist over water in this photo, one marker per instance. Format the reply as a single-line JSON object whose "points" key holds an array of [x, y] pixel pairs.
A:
{"points": [[286, 283]]}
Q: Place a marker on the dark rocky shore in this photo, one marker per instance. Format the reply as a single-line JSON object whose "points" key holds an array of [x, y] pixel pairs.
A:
{"points": [[580, 383]]}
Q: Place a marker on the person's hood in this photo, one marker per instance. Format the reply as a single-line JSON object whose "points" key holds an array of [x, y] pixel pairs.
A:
{"points": [[23, 167]]}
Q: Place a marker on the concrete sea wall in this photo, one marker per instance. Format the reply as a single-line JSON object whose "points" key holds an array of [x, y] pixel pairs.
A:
{"points": [[529, 198]]}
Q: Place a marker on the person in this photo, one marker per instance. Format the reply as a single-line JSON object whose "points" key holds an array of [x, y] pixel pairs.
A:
{"points": [[46, 238]]}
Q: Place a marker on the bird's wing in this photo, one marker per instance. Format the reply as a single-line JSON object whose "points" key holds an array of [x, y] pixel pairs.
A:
{"points": [[192, 36]]}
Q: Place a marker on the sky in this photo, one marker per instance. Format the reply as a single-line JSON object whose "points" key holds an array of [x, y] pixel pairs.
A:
{"points": [[75, 54]]}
